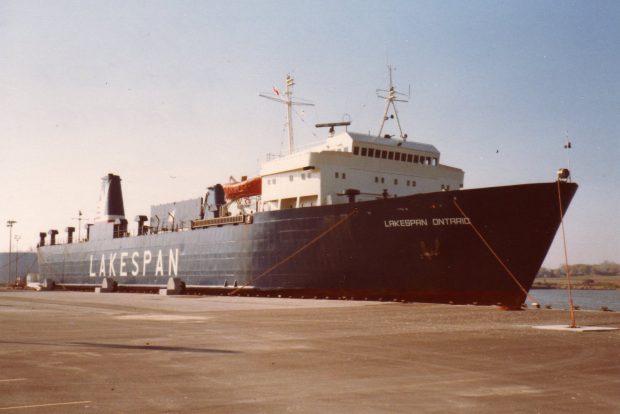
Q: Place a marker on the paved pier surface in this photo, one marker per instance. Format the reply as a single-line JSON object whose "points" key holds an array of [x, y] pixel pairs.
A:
{"points": [[72, 352]]}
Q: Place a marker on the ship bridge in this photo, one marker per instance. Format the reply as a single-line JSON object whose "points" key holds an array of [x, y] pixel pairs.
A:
{"points": [[348, 163]]}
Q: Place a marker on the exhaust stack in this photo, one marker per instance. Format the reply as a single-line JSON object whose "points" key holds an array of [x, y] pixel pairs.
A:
{"points": [[52, 234], [70, 231], [110, 200]]}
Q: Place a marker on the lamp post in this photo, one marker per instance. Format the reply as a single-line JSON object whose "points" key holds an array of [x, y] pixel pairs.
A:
{"points": [[9, 224], [17, 237]]}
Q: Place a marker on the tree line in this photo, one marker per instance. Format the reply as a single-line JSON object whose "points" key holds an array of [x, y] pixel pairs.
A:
{"points": [[602, 269]]}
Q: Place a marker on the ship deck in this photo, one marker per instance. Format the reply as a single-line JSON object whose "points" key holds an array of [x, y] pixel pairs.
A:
{"points": [[70, 352]]}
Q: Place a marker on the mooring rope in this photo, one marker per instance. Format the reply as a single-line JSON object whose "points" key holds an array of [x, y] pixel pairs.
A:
{"points": [[501, 262], [573, 322], [296, 252]]}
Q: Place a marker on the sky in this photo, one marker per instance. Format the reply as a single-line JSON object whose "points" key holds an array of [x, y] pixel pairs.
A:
{"points": [[165, 94]]}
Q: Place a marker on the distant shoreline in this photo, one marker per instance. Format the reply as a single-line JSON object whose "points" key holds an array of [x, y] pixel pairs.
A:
{"points": [[588, 282], [552, 286]]}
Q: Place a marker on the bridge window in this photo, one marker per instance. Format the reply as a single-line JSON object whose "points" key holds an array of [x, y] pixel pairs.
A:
{"points": [[397, 156], [364, 151], [391, 155], [371, 152], [416, 159], [356, 150], [382, 180], [409, 158], [395, 181], [376, 179], [384, 154], [378, 153]]}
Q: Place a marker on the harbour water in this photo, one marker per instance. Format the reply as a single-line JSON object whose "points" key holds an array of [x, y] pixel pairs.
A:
{"points": [[585, 299]]}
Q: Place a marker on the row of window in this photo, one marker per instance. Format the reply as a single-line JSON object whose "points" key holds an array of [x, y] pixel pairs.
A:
{"points": [[271, 181], [410, 183], [394, 155], [343, 176]]}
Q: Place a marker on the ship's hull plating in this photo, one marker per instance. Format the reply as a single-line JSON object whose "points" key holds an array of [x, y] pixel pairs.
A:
{"points": [[420, 248]]}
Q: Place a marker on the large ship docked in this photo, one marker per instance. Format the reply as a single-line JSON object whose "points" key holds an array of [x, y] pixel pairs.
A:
{"points": [[359, 216]]}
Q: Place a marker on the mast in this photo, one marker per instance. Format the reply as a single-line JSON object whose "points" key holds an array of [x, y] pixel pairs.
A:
{"points": [[289, 111], [288, 101], [390, 98]]}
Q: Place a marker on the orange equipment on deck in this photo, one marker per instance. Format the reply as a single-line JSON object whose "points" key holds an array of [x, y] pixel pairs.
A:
{"points": [[246, 188]]}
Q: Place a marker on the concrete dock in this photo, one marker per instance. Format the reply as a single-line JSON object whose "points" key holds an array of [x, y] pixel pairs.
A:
{"points": [[76, 352]]}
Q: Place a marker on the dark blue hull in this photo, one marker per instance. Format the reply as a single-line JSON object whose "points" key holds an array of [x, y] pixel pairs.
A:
{"points": [[420, 247]]}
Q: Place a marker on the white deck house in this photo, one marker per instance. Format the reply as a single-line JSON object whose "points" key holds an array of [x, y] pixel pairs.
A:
{"points": [[372, 165]]}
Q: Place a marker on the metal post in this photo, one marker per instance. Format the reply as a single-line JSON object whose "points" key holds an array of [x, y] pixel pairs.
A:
{"points": [[17, 237], [289, 113], [10, 224]]}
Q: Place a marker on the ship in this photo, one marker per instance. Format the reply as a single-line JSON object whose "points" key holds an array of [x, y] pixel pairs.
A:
{"points": [[357, 216]]}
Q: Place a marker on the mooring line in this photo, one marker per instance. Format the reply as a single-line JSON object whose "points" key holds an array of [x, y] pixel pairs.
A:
{"points": [[573, 322], [501, 262], [296, 252]]}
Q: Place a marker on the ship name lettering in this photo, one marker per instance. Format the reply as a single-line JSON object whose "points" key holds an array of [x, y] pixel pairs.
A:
{"points": [[405, 223], [102, 265], [136, 268], [122, 271], [108, 266], [159, 269], [420, 222], [147, 260], [451, 221], [112, 258]]}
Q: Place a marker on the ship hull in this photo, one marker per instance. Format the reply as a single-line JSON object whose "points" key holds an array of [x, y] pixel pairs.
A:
{"points": [[481, 246]]}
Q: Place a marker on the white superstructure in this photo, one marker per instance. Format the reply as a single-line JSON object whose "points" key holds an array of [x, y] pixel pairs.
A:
{"points": [[376, 167], [349, 167]]}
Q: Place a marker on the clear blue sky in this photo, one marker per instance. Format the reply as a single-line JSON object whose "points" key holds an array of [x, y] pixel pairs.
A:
{"points": [[153, 90]]}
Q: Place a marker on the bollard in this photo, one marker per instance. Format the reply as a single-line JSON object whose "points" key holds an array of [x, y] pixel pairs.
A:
{"points": [[175, 286], [108, 285], [48, 284]]}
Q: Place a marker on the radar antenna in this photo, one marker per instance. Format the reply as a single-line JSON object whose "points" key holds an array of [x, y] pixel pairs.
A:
{"points": [[288, 100], [390, 97]]}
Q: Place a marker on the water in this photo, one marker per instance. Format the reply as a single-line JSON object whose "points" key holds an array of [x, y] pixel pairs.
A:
{"points": [[585, 299]]}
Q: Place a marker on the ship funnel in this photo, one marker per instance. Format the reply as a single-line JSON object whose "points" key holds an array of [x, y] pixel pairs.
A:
{"points": [[110, 200]]}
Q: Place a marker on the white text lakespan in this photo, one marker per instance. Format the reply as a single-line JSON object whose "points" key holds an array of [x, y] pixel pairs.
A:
{"points": [[136, 263]]}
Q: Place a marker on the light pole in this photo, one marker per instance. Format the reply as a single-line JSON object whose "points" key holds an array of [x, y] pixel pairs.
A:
{"points": [[17, 237], [9, 224]]}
